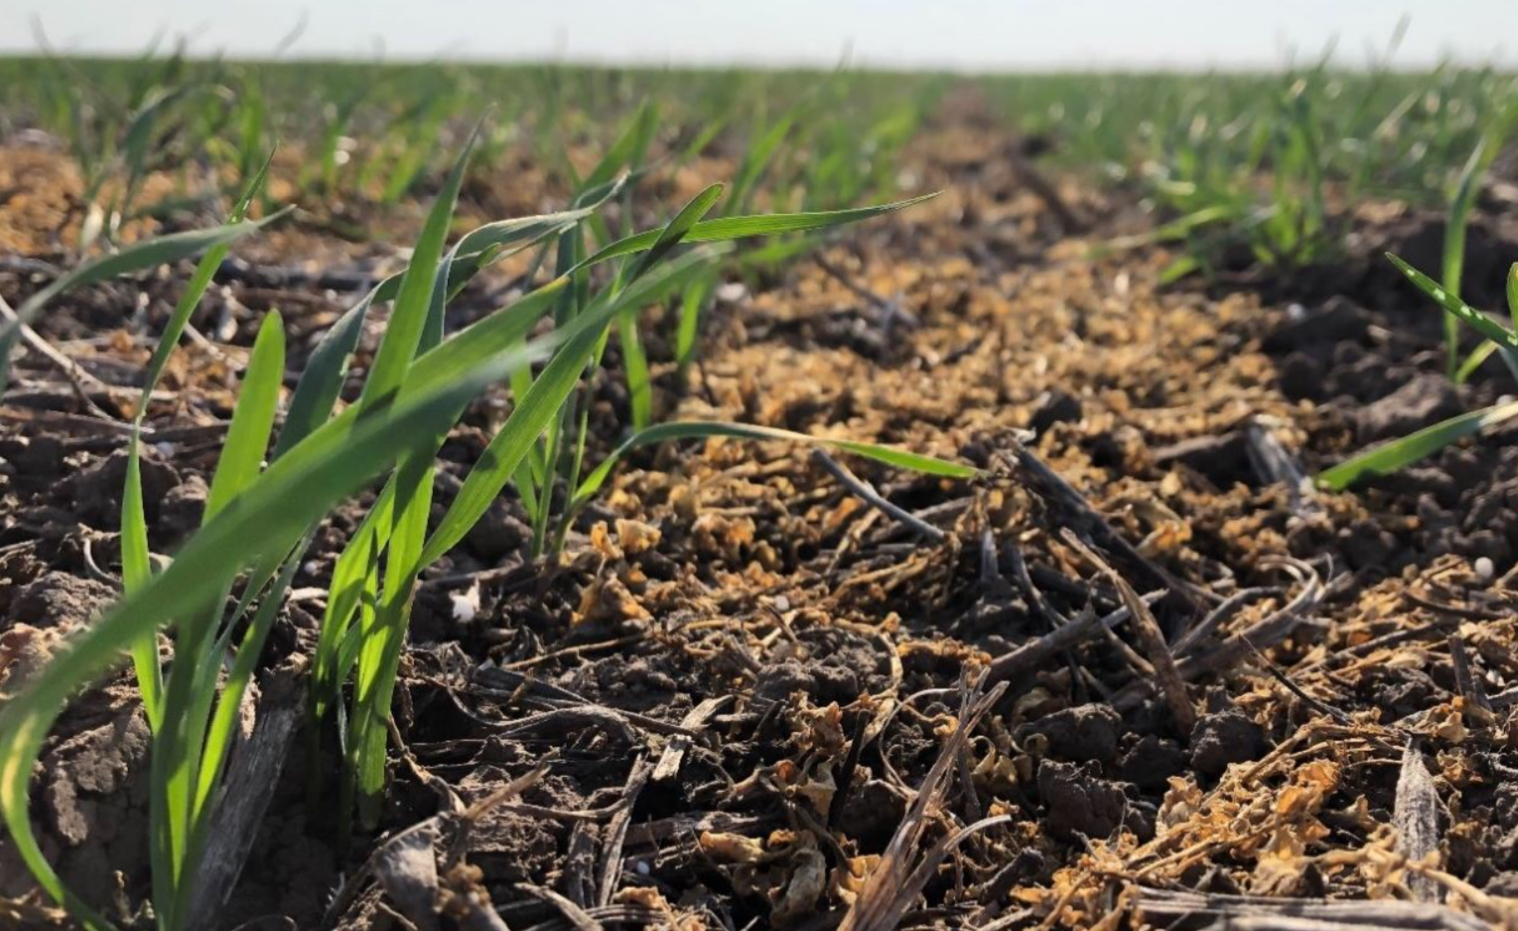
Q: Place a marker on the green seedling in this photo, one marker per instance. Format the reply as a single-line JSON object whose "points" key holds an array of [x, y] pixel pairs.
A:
{"points": [[1397, 454]]}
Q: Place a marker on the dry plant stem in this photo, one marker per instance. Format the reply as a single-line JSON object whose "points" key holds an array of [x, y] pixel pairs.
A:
{"points": [[1499, 911], [1031, 591], [78, 378], [578, 651], [887, 890], [447, 798], [698, 717], [1274, 464], [1152, 641], [251, 779], [115, 429], [1417, 819], [1466, 612], [1279, 674], [1428, 630], [445, 834], [1157, 847], [1270, 630], [1466, 681], [892, 309], [579, 708], [578, 918], [1262, 635], [1167, 906], [615, 834], [1088, 522], [1044, 190], [1217, 616], [866, 492], [580, 864], [1031, 656]]}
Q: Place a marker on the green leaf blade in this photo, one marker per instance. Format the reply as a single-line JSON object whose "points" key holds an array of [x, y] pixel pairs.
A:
{"points": [[1397, 454], [730, 228], [253, 418], [404, 332], [686, 430], [136, 572]]}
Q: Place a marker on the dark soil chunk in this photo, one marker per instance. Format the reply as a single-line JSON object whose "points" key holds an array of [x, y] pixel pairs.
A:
{"points": [[1223, 459], [1366, 544], [1400, 691], [1301, 376], [1489, 250], [872, 813], [1503, 884], [1224, 737], [1423, 401], [33, 455], [780, 681], [1085, 732], [94, 792], [1080, 801], [181, 510], [1054, 407], [498, 534], [1151, 762], [60, 600], [96, 491], [1339, 318]]}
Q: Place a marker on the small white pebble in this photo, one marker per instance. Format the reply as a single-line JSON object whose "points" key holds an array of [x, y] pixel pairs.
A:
{"points": [[1484, 568], [165, 449], [1121, 283], [1295, 312], [782, 603], [731, 291], [466, 604], [641, 868], [311, 567]]}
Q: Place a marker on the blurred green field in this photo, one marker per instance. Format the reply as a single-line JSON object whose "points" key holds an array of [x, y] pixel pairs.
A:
{"points": [[1263, 161]]}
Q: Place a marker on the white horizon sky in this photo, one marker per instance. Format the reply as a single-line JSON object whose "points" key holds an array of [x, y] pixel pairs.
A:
{"points": [[1011, 35]]}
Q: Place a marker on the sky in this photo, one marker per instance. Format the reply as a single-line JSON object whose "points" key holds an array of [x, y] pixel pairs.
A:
{"points": [[991, 35]]}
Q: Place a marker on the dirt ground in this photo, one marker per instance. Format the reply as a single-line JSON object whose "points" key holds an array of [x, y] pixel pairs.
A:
{"points": [[746, 699]]}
